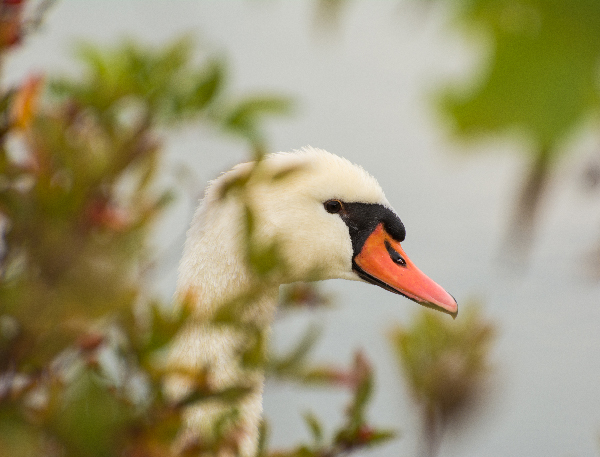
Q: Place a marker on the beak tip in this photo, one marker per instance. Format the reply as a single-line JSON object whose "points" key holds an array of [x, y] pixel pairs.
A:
{"points": [[455, 312], [447, 306]]}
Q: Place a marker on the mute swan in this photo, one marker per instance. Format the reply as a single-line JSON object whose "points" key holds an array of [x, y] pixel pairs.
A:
{"points": [[327, 216]]}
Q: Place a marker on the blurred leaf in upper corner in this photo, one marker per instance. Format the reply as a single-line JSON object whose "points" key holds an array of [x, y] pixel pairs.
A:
{"points": [[328, 12], [542, 71], [540, 80], [444, 363]]}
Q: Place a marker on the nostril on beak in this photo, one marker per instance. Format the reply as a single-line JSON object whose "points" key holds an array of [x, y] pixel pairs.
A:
{"points": [[396, 258]]}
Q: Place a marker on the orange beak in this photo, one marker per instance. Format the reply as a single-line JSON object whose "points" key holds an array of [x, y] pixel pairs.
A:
{"points": [[382, 261]]}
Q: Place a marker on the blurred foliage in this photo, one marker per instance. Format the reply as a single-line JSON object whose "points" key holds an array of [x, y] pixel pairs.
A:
{"points": [[78, 193], [355, 433], [294, 366], [130, 81], [540, 79], [542, 71], [328, 12], [445, 364], [82, 338], [542, 74]]}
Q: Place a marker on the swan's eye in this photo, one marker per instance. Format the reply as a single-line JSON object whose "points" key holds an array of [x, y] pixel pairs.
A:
{"points": [[333, 206]]}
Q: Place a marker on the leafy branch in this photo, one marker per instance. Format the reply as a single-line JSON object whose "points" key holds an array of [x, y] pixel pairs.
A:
{"points": [[83, 341]]}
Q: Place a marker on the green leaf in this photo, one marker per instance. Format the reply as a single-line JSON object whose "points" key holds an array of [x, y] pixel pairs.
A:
{"points": [[231, 395], [163, 327], [208, 85], [263, 433], [255, 353], [88, 418], [363, 378], [18, 438], [315, 427], [541, 75], [245, 116], [381, 436]]}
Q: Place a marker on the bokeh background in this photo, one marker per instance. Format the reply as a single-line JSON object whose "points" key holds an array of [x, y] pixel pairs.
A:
{"points": [[367, 85]]}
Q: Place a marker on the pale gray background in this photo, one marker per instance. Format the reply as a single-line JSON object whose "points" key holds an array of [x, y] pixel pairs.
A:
{"points": [[365, 92]]}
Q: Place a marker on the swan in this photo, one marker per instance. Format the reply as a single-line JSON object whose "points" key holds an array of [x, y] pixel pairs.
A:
{"points": [[329, 219]]}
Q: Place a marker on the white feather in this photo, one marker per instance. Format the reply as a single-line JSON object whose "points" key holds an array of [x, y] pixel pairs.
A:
{"points": [[285, 192]]}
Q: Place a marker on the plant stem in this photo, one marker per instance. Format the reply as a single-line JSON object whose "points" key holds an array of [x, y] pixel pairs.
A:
{"points": [[521, 230]]}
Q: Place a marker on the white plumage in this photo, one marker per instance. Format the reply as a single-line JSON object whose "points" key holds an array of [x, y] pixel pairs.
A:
{"points": [[286, 193]]}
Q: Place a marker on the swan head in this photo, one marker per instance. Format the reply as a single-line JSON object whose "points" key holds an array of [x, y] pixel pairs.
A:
{"points": [[330, 219]]}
